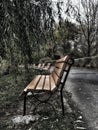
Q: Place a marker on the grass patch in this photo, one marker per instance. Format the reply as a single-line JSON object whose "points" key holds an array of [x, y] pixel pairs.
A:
{"points": [[11, 105]]}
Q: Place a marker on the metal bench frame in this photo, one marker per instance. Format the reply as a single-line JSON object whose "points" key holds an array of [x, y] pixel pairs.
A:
{"points": [[59, 86]]}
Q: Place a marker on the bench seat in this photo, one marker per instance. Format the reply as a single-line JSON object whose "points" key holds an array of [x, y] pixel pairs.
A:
{"points": [[42, 83], [47, 82]]}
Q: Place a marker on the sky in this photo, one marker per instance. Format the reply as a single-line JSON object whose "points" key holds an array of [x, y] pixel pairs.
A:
{"points": [[63, 8], [74, 2]]}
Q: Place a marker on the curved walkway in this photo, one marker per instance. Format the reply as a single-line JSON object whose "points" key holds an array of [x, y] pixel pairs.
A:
{"points": [[83, 84]]}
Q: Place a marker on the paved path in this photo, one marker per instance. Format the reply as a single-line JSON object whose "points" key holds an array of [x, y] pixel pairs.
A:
{"points": [[83, 84]]}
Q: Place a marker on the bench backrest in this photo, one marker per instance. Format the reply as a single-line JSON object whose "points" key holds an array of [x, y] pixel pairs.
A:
{"points": [[61, 67]]}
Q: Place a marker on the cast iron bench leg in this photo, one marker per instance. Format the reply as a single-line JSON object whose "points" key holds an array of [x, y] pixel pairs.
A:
{"points": [[24, 107], [62, 103]]}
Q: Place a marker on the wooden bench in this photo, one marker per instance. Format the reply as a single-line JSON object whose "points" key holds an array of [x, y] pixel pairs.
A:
{"points": [[50, 83], [43, 68]]}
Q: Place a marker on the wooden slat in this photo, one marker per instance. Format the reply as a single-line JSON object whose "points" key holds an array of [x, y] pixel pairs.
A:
{"points": [[43, 65], [57, 71], [59, 65], [63, 59], [47, 66], [55, 77], [33, 83], [39, 65], [33, 65], [44, 83], [52, 83], [47, 83], [40, 84]]}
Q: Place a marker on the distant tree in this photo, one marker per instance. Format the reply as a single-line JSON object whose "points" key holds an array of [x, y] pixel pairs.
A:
{"points": [[65, 33], [86, 16]]}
